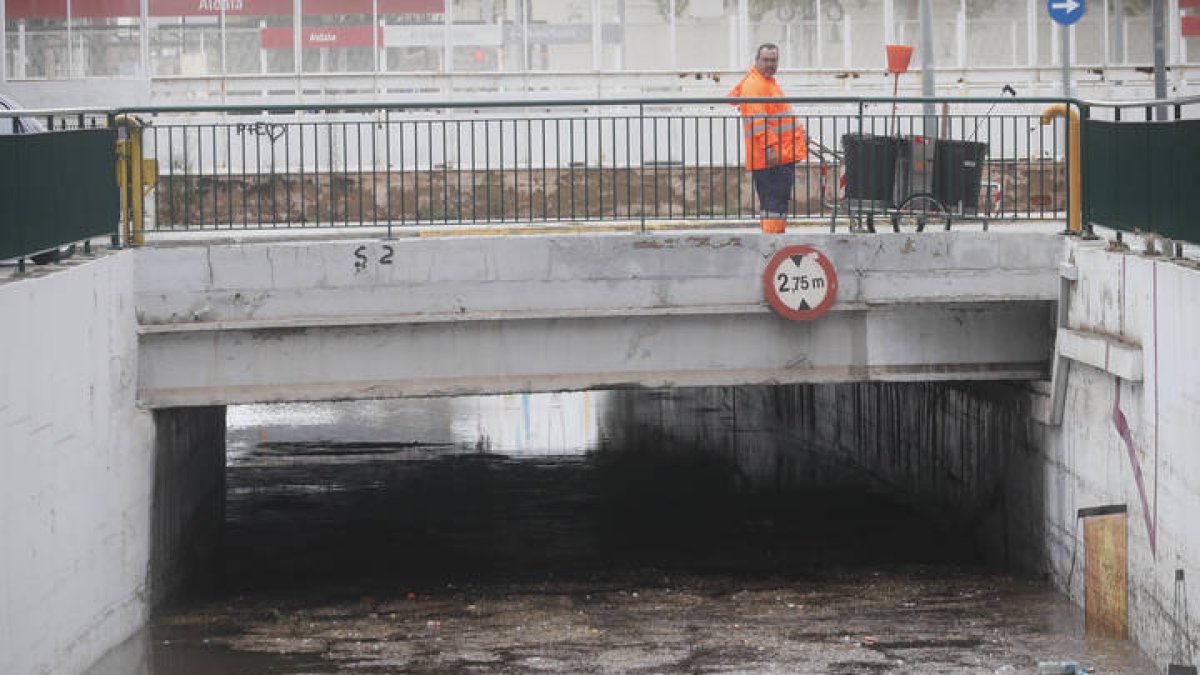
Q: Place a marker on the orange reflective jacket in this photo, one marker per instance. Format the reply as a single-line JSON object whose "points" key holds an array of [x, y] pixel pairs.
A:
{"points": [[772, 134]]}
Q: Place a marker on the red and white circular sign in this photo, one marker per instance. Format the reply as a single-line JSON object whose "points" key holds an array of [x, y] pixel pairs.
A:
{"points": [[800, 283]]}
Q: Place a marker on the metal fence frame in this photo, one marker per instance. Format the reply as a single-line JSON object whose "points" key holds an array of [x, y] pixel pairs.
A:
{"points": [[56, 188], [666, 119], [192, 172], [1141, 164]]}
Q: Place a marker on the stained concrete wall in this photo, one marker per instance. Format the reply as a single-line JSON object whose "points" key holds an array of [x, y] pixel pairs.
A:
{"points": [[964, 449], [92, 489], [1146, 305], [984, 453]]}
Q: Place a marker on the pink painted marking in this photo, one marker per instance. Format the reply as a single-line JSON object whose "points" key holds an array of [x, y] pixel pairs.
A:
{"points": [[1122, 426]]}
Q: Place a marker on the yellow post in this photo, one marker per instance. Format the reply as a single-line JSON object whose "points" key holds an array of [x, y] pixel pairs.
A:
{"points": [[131, 179], [1074, 189], [122, 186]]}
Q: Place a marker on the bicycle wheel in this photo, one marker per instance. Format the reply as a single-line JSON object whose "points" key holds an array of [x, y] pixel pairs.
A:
{"points": [[916, 211]]}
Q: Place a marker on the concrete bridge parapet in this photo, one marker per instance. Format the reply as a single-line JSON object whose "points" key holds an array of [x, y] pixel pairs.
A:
{"points": [[236, 323]]}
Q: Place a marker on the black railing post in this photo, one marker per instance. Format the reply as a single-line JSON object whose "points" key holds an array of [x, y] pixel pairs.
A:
{"points": [[1085, 207], [642, 165]]}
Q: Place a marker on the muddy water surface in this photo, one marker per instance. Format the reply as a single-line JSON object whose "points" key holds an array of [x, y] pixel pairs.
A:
{"points": [[500, 536]]}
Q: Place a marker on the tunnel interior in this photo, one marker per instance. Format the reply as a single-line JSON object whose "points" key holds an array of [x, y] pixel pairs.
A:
{"points": [[834, 528], [359, 496]]}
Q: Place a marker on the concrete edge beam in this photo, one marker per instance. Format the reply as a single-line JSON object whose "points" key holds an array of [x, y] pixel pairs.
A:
{"points": [[456, 386], [1102, 352], [361, 320]]}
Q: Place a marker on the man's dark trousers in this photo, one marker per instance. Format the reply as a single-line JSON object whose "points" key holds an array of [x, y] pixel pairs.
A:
{"points": [[774, 188]]}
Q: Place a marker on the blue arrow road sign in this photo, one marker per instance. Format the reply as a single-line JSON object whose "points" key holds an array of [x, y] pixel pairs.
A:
{"points": [[1065, 12]]}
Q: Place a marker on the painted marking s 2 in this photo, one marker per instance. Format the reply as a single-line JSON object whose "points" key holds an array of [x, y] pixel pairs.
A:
{"points": [[365, 255]]}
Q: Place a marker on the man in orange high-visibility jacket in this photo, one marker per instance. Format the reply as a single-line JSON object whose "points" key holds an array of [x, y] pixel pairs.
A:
{"points": [[773, 137]]}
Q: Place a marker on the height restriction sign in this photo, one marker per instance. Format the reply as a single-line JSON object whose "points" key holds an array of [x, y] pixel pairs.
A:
{"points": [[800, 283]]}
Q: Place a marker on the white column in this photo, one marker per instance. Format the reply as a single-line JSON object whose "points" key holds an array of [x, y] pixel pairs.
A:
{"points": [[672, 36], [789, 51], [736, 60], [1107, 42], [889, 22], [743, 28], [376, 29], [1015, 52], [847, 42], [523, 8], [1175, 31], [262, 51], [1124, 42], [1031, 36], [297, 38], [820, 34], [144, 43], [3, 43], [382, 55], [447, 38], [70, 45], [597, 38], [22, 61], [960, 29]]}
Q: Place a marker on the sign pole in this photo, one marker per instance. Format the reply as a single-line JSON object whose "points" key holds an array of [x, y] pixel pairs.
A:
{"points": [[1065, 43], [1065, 13], [928, 90]]}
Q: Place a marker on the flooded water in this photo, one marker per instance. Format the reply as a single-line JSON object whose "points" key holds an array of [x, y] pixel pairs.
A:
{"points": [[505, 535]]}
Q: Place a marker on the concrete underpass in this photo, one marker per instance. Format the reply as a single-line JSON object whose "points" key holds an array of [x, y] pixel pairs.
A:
{"points": [[809, 528], [825, 525]]}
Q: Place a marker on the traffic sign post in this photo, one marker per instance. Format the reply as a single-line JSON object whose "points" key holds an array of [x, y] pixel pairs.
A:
{"points": [[800, 283], [1065, 13]]}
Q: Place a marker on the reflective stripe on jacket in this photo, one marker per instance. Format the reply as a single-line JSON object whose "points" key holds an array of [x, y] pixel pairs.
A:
{"points": [[771, 133]]}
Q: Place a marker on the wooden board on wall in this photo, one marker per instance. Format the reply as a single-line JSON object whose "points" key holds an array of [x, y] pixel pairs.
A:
{"points": [[1104, 541]]}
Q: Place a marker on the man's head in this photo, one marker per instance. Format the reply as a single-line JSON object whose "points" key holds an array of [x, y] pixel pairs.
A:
{"points": [[767, 59]]}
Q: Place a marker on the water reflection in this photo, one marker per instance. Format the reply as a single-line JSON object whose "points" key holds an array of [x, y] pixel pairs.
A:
{"points": [[558, 423], [529, 424]]}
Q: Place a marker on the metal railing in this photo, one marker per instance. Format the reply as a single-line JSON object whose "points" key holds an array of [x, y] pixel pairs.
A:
{"points": [[634, 160], [1141, 166]]}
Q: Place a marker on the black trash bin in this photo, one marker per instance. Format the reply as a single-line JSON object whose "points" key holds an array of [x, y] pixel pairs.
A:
{"points": [[914, 168], [870, 168], [957, 172]]}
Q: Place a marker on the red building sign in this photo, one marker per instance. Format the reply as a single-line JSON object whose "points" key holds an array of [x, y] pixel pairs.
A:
{"points": [[111, 9], [339, 37]]}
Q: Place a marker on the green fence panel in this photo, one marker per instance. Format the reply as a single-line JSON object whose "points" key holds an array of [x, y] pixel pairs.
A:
{"points": [[56, 188], [1143, 176]]}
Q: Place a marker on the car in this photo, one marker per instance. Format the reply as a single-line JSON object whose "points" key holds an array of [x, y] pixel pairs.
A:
{"points": [[17, 125]]}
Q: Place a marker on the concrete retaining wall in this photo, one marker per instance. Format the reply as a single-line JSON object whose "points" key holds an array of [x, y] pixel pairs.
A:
{"points": [[964, 449], [81, 480], [979, 450], [1148, 305]]}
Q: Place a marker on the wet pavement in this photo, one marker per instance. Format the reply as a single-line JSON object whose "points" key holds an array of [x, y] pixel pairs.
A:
{"points": [[501, 536]]}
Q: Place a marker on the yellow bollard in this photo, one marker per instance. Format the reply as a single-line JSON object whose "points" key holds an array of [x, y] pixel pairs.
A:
{"points": [[1074, 190], [131, 178]]}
